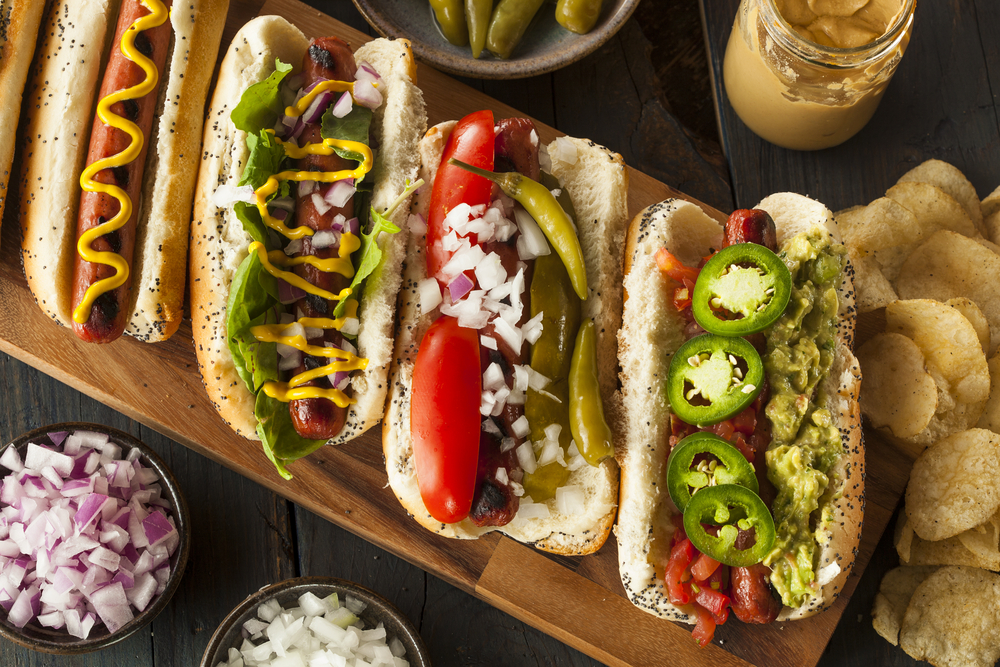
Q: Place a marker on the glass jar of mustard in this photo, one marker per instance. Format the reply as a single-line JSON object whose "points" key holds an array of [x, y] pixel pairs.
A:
{"points": [[808, 74]]}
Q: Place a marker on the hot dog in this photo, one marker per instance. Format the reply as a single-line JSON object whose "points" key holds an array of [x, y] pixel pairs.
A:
{"points": [[17, 43], [476, 437], [106, 194], [296, 243], [795, 436]]}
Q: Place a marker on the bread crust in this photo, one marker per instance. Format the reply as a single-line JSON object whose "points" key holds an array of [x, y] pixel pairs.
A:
{"points": [[652, 329], [219, 244], [62, 97], [597, 183]]}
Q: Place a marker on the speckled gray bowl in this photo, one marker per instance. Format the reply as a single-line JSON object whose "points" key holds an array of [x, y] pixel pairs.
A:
{"points": [[229, 633], [60, 642], [546, 46]]}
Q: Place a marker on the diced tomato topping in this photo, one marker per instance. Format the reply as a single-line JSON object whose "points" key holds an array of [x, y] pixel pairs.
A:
{"points": [[674, 268], [746, 421], [723, 429], [703, 567], [714, 601], [704, 628], [746, 450], [677, 576]]}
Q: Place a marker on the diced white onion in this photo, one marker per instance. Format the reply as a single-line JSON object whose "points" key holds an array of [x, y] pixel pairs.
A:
{"points": [[520, 427], [430, 294], [570, 500], [526, 457], [490, 272], [564, 150], [531, 243], [226, 195], [493, 377], [488, 342]]}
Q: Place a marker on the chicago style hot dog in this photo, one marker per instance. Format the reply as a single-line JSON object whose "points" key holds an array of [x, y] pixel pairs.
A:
{"points": [[505, 351], [743, 477], [110, 166], [308, 160]]}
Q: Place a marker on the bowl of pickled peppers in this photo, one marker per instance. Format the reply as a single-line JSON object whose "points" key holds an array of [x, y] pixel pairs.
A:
{"points": [[499, 39]]}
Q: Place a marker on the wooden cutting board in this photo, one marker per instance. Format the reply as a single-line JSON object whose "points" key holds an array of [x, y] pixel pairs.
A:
{"points": [[577, 600]]}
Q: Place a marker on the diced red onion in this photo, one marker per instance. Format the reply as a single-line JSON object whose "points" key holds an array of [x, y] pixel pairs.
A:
{"points": [[460, 286], [340, 192], [365, 92], [314, 112], [279, 214], [307, 188], [291, 362], [324, 239], [353, 226], [322, 206], [112, 606], [343, 106], [288, 293]]}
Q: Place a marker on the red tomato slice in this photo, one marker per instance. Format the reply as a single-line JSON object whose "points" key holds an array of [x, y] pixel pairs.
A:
{"points": [[445, 420], [472, 142]]}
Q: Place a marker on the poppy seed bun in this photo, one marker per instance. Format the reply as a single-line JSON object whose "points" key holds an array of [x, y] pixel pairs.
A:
{"points": [[652, 329]]}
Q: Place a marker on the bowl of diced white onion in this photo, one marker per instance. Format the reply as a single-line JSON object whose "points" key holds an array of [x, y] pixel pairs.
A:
{"points": [[319, 622], [94, 537]]}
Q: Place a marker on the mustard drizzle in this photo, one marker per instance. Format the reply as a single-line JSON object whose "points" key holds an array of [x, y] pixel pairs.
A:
{"points": [[349, 243], [157, 16]]}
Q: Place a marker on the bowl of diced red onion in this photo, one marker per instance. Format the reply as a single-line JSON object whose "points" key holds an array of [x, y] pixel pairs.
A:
{"points": [[93, 537], [315, 621]]}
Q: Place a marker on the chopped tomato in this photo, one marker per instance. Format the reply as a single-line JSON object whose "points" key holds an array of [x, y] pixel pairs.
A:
{"points": [[704, 628], [677, 576], [674, 268], [714, 601], [472, 142], [703, 567], [746, 421], [723, 429], [445, 420]]}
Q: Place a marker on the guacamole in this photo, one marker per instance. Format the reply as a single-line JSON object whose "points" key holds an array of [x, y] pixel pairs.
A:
{"points": [[805, 443]]}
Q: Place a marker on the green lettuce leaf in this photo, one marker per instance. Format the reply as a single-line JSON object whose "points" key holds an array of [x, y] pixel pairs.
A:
{"points": [[260, 106], [371, 255], [252, 297], [282, 444], [352, 127], [265, 159]]}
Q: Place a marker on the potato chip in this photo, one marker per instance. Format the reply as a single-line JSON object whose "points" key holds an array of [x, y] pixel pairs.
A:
{"points": [[976, 318], [897, 392], [950, 179], [949, 265], [903, 538], [953, 618], [873, 290], [893, 596], [949, 342], [992, 224], [983, 542], [991, 204], [954, 484], [990, 419], [882, 224], [933, 208]]}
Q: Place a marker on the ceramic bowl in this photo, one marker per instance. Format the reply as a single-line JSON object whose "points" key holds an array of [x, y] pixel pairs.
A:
{"points": [[546, 45], [230, 631], [60, 642]]}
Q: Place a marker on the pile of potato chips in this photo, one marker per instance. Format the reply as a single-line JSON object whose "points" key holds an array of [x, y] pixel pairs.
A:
{"points": [[927, 253], [922, 252]]}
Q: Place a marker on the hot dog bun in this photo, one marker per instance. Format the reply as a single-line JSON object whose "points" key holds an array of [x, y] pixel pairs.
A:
{"points": [[219, 243], [597, 183], [62, 99], [20, 22], [652, 330]]}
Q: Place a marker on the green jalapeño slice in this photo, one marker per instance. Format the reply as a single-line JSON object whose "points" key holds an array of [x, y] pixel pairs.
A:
{"points": [[743, 289], [712, 378], [715, 516], [703, 460]]}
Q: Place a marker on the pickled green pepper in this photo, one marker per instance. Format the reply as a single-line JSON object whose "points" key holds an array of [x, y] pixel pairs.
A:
{"points": [[510, 19], [586, 411], [477, 18], [579, 16], [451, 17]]}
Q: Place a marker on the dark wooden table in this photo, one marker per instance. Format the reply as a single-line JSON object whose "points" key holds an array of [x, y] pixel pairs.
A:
{"points": [[649, 95]]}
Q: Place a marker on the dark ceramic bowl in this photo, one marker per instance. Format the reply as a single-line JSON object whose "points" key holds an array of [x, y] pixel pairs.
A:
{"points": [[546, 46], [47, 640], [230, 631]]}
